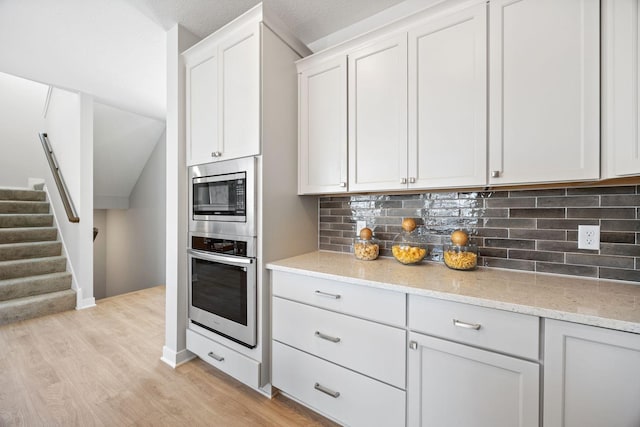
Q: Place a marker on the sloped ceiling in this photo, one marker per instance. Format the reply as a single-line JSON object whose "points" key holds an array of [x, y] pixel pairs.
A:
{"points": [[122, 144]]}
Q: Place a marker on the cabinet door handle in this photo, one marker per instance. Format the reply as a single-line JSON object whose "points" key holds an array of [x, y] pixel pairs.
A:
{"points": [[342, 184], [461, 324], [328, 295], [327, 337], [215, 356], [334, 394], [495, 174], [412, 180], [216, 154], [413, 345], [403, 180]]}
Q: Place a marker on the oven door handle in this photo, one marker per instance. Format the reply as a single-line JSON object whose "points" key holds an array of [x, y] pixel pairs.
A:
{"points": [[220, 258]]}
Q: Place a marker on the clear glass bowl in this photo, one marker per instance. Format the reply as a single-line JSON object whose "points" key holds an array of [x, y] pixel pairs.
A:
{"points": [[460, 257], [366, 250], [409, 247]]}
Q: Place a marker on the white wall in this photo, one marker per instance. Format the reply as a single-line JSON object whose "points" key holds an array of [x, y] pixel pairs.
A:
{"points": [[21, 119], [69, 124], [135, 237], [175, 351]]}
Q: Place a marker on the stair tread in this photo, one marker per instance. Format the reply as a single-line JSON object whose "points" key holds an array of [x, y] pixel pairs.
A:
{"points": [[35, 260], [22, 194], [36, 298], [19, 280], [22, 244]]}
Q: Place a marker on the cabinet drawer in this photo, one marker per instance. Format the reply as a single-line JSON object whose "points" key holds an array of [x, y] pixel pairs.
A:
{"points": [[371, 303], [361, 401], [227, 360], [370, 348], [498, 330]]}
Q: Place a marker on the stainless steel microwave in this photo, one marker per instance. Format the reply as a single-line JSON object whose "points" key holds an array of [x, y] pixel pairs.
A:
{"points": [[222, 197]]}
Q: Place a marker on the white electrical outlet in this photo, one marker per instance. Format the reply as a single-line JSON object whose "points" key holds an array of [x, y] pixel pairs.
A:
{"points": [[589, 237], [359, 226]]}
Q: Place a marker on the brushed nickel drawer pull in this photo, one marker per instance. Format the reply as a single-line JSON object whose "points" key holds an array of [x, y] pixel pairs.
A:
{"points": [[327, 337], [325, 294], [334, 394], [215, 356], [461, 324]]}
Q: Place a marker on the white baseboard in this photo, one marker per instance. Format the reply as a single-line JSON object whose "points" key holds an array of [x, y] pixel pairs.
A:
{"points": [[175, 359], [81, 304]]}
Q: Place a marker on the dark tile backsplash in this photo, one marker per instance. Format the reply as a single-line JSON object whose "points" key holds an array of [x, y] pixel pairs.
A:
{"points": [[533, 230]]}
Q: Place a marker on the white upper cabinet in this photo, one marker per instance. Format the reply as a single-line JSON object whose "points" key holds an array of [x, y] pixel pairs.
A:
{"points": [[223, 96], [322, 141], [544, 83], [621, 87], [447, 101], [378, 115]]}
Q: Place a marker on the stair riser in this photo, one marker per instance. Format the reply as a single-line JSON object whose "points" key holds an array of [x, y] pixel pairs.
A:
{"points": [[36, 286], [27, 235], [30, 251], [17, 312], [23, 195], [24, 207], [25, 269], [34, 220]]}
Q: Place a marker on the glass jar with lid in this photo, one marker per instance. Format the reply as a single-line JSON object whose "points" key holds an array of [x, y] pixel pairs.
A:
{"points": [[460, 254], [409, 247], [366, 247]]}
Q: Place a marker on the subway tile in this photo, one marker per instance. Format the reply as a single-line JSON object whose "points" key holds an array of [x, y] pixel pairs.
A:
{"points": [[609, 213], [518, 202], [573, 270], [474, 213], [333, 248], [620, 200], [341, 212], [341, 241], [619, 249], [341, 199], [330, 205], [600, 260], [538, 193], [442, 212], [342, 226], [330, 219], [619, 274], [536, 255], [389, 204], [536, 213], [495, 213], [492, 252], [564, 224], [493, 232], [494, 194], [405, 213], [612, 237], [442, 195], [510, 243], [470, 195], [513, 264], [565, 202], [408, 196], [362, 204], [413, 204], [601, 190], [555, 246], [510, 223], [620, 225], [330, 233], [323, 239], [516, 233]]}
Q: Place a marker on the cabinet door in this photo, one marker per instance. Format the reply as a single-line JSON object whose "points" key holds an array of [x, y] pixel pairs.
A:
{"points": [[447, 101], [240, 93], [621, 87], [323, 128], [202, 107], [378, 116], [544, 83], [591, 376], [451, 384]]}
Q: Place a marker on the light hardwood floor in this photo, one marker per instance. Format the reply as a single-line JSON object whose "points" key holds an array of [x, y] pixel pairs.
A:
{"points": [[101, 366]]}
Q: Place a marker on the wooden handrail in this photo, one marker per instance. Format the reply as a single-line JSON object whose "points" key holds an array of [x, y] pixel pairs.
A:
{"points": [[57, 176]]}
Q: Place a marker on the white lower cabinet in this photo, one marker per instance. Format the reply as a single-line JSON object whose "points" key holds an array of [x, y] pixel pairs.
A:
{"points": [[451, 384], [454, 384], [591, 376], [347, 397], [222, 357]]}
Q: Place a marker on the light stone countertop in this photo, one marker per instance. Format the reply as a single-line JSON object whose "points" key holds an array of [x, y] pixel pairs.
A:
{"points": [[604, 303]]}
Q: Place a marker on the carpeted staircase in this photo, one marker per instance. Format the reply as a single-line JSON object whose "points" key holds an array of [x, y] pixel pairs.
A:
{"points": [[33, 272]]}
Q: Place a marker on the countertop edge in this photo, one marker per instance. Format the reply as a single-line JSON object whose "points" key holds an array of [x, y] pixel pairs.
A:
{"points": [[556, 314]]}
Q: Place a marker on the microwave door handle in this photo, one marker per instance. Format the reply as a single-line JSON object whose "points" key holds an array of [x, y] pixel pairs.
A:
{"points": [[220, 258]]}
